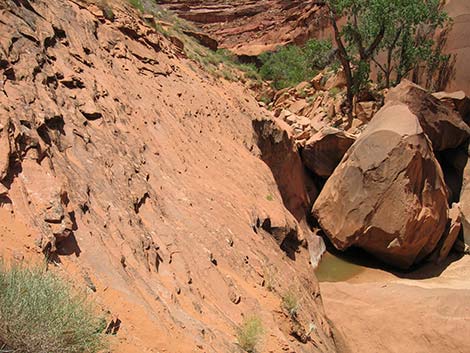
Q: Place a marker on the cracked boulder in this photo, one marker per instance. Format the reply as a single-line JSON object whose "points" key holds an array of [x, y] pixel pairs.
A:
{"points": [[443, 125], [324, 150], [388, 195]]}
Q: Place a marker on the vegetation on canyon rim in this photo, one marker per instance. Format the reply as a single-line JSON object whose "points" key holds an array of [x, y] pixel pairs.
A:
{"points": [[400, 38], [41, 313]]}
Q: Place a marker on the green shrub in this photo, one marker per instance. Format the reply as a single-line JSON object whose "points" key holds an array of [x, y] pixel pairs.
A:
{"points": [[249, 334], [293, 64], [137, 4], [40, 313], [107, 10], [334, 92], [291, 303]]}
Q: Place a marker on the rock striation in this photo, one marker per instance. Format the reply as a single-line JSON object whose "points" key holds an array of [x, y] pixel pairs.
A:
{"points": [[249, 28], [130, 169]]}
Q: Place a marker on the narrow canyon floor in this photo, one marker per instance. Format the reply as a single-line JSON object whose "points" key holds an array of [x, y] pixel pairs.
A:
{"points": [[377, 310]]}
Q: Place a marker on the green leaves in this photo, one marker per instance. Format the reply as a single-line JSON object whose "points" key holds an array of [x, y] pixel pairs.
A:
{"points": [[292, 64], [397, 35]]}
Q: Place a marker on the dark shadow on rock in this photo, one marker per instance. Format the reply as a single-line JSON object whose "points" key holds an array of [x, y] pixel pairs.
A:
{"points": [[279, 152], [4, 199], [14, 169], [74, 220], [290, 245], [359, 257], [453, 162], [428, 269], [69, 246]]}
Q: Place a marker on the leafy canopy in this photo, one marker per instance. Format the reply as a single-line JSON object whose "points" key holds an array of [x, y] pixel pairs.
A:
{"points": [[292, 64], [397, 35]]}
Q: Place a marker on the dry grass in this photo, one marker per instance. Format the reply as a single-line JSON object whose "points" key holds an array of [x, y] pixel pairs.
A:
{"points": [[249, 334], [40, 313]]}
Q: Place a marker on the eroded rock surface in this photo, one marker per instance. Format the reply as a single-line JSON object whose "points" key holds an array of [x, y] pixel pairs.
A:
{"points": [[140, 175], [251, 27]]}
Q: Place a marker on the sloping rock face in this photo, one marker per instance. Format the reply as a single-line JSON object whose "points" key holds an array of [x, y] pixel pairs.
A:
{"points": [[450, 236], [280, 153], [443, 125], [251, 27], [388, 195], [132, 171]]}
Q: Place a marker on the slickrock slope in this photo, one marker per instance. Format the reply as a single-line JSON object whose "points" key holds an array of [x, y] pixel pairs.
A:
{"points": [[423, 311], [250, 27], [141, 178]]}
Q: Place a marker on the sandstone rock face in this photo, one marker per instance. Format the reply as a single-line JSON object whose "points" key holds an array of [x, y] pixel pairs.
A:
{"points": [[203, 39], [388, 194], [250, 28], [280, 153], [5, 148], [324, 150], [130, 166], [458, 43], [458, 100], [443, 125]]}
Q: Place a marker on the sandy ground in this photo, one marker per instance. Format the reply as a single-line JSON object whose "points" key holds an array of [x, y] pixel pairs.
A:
{"points": [[426, 310]]}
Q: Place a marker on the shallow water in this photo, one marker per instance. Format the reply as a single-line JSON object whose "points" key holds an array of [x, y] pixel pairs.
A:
{"points": [[335, 269]]}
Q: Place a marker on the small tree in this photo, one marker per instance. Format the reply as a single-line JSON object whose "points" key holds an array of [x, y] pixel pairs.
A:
{"points": [[397, 35]]}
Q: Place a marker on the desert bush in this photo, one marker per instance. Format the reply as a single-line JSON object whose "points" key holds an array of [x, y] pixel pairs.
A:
{"points": [[40, 313], [291, 64], [291, 303], [249, 334]]}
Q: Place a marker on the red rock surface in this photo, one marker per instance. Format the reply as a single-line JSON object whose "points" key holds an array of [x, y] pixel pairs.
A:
{"points": [[250, 27], [144, 175], [443, 125], [422, 311]]}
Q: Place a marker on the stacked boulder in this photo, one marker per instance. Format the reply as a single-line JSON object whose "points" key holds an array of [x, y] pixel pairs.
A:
{"points": [[388, 194]]}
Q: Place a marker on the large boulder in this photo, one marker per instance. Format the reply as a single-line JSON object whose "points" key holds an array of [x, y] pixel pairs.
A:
{"points": [[388, 195], [324, 150], [458, 101], [443, 125]]}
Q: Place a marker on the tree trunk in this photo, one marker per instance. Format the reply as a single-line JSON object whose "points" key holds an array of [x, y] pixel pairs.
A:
{"points": [[345, 62]]}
